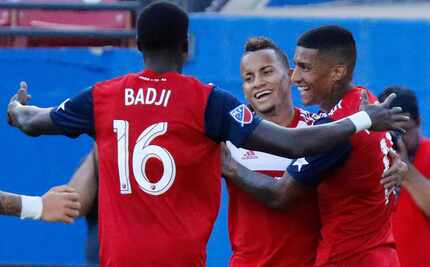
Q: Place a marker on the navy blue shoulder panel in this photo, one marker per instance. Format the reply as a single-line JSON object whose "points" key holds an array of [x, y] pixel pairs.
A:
{"points": [[228, 119], [75, 115], [311, 170]]}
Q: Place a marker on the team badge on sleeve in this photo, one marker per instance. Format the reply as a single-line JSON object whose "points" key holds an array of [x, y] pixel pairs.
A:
{"points": [[242, 114]]}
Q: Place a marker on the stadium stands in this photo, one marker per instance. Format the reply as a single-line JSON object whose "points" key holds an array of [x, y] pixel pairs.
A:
{"points": [[5, 21], [281, 3], [66, 20]]}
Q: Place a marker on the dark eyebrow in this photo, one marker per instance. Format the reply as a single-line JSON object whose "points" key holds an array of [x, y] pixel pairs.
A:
{"points": [[301, 64], [266, 66]]}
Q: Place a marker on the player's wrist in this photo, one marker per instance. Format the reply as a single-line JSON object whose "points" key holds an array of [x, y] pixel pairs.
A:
{"points": [[361, 121], [31, 207]]}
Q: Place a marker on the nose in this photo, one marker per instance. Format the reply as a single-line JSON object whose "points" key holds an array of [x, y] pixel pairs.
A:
{"points": [[258, 81], [296, 76]]}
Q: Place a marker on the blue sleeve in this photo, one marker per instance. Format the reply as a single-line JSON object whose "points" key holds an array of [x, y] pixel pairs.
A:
{"points": [[75, 115], [228, 119], [310, 170]]}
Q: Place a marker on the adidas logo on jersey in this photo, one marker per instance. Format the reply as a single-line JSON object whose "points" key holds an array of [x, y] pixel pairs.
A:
{"points": [[249, 155]]}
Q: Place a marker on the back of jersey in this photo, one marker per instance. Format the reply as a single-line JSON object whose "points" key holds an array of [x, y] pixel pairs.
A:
{"points": [[159, 187]]}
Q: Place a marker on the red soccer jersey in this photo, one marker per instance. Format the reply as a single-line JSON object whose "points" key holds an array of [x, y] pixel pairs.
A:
{"points": [[143, 222], [159, 163], [261, 236], [411, 227], [355, 219]]}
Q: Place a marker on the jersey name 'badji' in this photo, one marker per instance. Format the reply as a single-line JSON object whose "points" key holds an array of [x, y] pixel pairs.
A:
{"points": [[149, 96]]}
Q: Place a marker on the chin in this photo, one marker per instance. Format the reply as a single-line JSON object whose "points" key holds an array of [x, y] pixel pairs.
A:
{"points": [[265, 110], [306, 101]]}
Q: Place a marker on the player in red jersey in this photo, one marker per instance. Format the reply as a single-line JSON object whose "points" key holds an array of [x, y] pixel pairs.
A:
{"points": [[356, 224], [355, 216], [158, 135], [261, 236], [411, 224]]}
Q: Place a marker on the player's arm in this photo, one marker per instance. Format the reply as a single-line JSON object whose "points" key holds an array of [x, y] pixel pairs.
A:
{"points": [[85, 181], [10, 204], [415, 182], [275, 193], [59, 204], [222, 124], [419, 187], [307, 141], [393, 177], [72, 118], [303, 175], [31, 120]]}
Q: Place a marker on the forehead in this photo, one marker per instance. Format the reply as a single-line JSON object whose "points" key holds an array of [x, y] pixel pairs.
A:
{"points": [[307, 55], [259, 58]]}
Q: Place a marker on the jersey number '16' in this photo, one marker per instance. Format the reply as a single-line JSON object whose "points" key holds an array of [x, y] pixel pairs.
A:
{"points": [[142, 152]]}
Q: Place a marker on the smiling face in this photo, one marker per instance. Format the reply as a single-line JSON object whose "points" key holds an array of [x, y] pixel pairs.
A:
{"points": [[266, 80], [313, 76]]}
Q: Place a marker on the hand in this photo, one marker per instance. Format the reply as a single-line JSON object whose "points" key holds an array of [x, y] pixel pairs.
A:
{"points": [[227, 162], [402, 150], [393, 177], [383, 117], [20, 98], [60, 204]]}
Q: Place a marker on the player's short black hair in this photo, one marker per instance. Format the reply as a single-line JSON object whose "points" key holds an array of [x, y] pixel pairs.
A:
{"points": [[405, 98], [259, 43], [162, 25], [333, 40]]}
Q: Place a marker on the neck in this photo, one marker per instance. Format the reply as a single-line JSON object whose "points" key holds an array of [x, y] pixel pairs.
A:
{"points": [[335, 96], [162, 61], [282, 116]]}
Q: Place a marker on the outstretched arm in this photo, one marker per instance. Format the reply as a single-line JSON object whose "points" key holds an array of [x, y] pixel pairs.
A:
{"points": [[31, 120], [59, 204], [308, 141], [298, 142], [72, 118], [84, 181]]}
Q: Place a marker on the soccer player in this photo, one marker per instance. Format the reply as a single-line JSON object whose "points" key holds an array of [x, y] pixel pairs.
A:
{"points": [[158, 135], [59, 204], [260, 235], [411, 224], [355, 216], [356, 220]]}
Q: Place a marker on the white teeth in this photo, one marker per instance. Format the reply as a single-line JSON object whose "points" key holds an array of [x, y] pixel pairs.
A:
{"points": [[302, 88], [260, 94]]}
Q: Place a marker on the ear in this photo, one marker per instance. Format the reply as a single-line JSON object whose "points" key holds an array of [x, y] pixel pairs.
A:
{"points": [[339, 72], [139, 45], [418, 121], [185, 46]]}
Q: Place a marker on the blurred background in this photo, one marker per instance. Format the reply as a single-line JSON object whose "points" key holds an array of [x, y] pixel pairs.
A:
{"points": [[62, 46]]}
